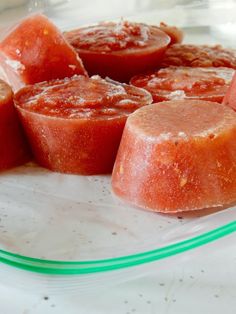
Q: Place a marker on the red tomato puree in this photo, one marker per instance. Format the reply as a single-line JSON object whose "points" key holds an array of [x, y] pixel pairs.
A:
{"points": [[119, 50], [186, 83], [230, 97], [34, 50], [178, 156], [199, 56], [75, 125]]}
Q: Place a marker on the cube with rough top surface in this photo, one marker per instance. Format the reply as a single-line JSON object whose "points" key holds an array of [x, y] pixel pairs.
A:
{"points": [[34, 50]]}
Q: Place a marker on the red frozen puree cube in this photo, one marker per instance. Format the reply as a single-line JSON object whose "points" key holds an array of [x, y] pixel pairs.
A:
{"points": [[14, 150], [34, 50], [75, 125], [199, 56], [186, 83], [119, 50], [178, 156]]}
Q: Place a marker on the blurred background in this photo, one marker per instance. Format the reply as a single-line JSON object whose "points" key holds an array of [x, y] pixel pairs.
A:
{"points": [[218, 16]]}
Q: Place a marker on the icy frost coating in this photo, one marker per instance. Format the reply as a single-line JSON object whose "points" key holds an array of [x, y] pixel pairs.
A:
{"points": [[110, 36], [81, 97]]}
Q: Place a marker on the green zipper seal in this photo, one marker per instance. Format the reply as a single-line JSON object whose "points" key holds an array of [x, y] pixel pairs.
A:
{"points": [[97, 266]]}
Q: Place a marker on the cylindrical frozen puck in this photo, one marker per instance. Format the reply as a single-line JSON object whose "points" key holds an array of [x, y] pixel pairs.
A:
{"points": [[75, 125], [178, 156]]}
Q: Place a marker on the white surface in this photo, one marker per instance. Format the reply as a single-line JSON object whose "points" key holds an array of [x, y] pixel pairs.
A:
{"points": [[204, 282]]}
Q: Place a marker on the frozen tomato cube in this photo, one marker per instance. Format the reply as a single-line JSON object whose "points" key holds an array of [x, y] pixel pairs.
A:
{"points": [[178, 156], [199, 56], [186, 83], [119, 50], [34, 50], [75, 125]]}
